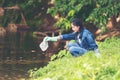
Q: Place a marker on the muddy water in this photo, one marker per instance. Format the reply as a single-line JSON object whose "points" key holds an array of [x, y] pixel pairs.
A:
{"points": [[16, 71], [20, 52]]}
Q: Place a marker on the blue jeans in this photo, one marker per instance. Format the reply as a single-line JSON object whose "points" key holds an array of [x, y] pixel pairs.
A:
{"points": [[75, 49]]}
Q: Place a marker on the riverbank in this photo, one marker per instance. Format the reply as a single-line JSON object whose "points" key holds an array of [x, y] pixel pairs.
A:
{"points": [[86, 67]]}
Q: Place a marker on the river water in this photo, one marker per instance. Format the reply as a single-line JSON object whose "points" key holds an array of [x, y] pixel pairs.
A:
{"points": [[20, 52]]}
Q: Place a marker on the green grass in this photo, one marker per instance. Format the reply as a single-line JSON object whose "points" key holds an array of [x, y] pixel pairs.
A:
{"points": [[86, 67]]}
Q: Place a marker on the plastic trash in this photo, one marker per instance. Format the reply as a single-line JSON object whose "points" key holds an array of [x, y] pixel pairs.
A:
{"points": [[43, 45]]}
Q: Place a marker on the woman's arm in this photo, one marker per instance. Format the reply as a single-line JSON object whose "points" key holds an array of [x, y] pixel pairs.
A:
{"points": [[69, 36]]}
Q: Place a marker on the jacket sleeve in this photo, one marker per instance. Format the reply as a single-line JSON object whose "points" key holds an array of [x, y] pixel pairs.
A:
{"points": [[69, 36]]}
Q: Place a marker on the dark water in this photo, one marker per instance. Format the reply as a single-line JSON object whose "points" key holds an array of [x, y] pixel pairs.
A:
{"points": [[20, 52]]}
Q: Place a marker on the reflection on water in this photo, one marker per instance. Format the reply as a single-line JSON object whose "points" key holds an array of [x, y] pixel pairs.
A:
{"points": [[19, 52], [16, 71]]}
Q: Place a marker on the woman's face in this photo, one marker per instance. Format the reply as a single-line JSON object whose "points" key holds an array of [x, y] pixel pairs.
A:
{"points": [[75, 28]]}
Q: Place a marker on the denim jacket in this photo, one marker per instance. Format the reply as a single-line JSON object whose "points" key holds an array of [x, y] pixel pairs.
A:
{"points": [[86, 37]]}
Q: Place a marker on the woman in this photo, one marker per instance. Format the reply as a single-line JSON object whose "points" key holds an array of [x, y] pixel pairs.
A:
{"points": [[84, 40]]}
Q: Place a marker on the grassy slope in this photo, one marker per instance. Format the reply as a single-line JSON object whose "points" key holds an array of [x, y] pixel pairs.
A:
{"points": [[86, 67]]}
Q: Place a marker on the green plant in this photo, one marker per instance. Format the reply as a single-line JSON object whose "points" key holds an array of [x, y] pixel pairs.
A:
{"points": [[92, 11], [61, 54], [86, 67], [34, 12]]}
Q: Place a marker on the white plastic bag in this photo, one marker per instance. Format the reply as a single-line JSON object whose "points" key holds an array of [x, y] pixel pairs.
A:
{"points": [[43, 45]]}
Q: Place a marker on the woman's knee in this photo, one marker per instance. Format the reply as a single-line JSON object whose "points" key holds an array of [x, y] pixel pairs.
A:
{"points": [[70, 44], [73, 52], [76, 52]]}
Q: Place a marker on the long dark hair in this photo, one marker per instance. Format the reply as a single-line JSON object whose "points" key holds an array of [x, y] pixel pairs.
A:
{"points": [[77, 22]]}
